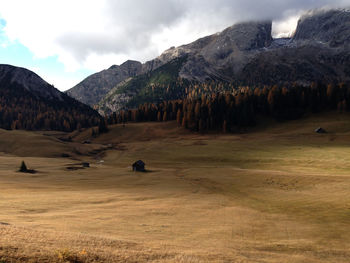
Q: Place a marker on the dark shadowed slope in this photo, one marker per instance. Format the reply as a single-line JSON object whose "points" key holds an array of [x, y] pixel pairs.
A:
{"points": [[28, 102]]}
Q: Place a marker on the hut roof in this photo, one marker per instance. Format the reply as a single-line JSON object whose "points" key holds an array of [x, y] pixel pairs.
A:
{"points": [[139, 163]]}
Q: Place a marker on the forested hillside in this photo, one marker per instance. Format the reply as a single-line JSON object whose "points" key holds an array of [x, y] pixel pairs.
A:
{"points": [[207, 108], [27, 102]]}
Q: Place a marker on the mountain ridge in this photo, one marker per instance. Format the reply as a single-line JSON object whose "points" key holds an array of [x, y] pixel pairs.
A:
{"points": [[89, 91], [29, 80], [246, 54]]}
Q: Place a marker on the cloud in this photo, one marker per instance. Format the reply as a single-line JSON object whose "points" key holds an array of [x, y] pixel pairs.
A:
{"points": [[94, 34]]}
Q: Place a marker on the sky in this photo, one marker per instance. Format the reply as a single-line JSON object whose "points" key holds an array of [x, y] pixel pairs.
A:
{"points": [[65, 41]]}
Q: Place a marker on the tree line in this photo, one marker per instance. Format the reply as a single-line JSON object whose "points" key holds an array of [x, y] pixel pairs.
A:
{"points": [[234, 109]]}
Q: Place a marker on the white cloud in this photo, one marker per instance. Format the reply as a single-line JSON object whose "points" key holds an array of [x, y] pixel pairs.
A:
{"points": [[38, 24], [94, 34], [285, 27]]}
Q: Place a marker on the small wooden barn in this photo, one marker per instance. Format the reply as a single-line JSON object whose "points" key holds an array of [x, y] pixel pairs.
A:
{"points": [[139, 166], [320, 130]]}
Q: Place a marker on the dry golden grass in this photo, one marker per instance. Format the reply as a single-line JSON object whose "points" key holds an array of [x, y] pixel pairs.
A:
{"points": [[21, 244], [276, 194]]}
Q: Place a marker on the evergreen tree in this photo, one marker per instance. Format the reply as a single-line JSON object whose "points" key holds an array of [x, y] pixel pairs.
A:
{"points": [[165, 116], [102, 126], [178, 117], [23, 168], [224, 126]]}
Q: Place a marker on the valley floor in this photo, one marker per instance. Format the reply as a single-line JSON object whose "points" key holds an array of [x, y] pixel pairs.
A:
{"points": [[275, 194]]}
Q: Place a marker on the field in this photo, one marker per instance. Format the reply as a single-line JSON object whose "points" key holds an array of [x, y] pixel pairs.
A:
{"points": [[278, 193]]}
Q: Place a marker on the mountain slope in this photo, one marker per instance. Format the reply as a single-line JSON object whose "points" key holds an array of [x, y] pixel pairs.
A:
{"points": [[303, 65], [92, 89], [10, 75], [319, 51], [28, 102], [146, 87]]}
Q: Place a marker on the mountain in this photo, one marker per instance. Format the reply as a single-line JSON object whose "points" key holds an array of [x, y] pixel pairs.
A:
{"points": [[29, 81], [28, 102], [92, 89], [245, 54], [245, 36]]}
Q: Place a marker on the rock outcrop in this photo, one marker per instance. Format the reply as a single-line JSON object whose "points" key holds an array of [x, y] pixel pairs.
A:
{"points": [[92, 89]]}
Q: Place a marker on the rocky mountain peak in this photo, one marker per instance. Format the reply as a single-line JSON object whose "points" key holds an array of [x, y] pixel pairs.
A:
{"points": [[326, 26], [249, 35], [243, 36], [131, 63], [131, 67]]}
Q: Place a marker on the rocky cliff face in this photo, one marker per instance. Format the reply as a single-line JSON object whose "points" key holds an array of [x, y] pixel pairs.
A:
{"points": [[92, 89], [327, 27]]}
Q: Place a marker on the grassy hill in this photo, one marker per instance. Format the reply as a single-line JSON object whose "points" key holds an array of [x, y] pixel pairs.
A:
{"points": [[48, 144], [279, 193]]}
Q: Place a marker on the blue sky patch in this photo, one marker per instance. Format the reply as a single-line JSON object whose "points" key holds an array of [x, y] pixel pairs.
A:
{"points": [[2, 23], [50, 69]]}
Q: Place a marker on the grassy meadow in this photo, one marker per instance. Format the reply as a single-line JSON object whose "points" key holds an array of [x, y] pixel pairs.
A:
{"points": [[278, 193]]}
